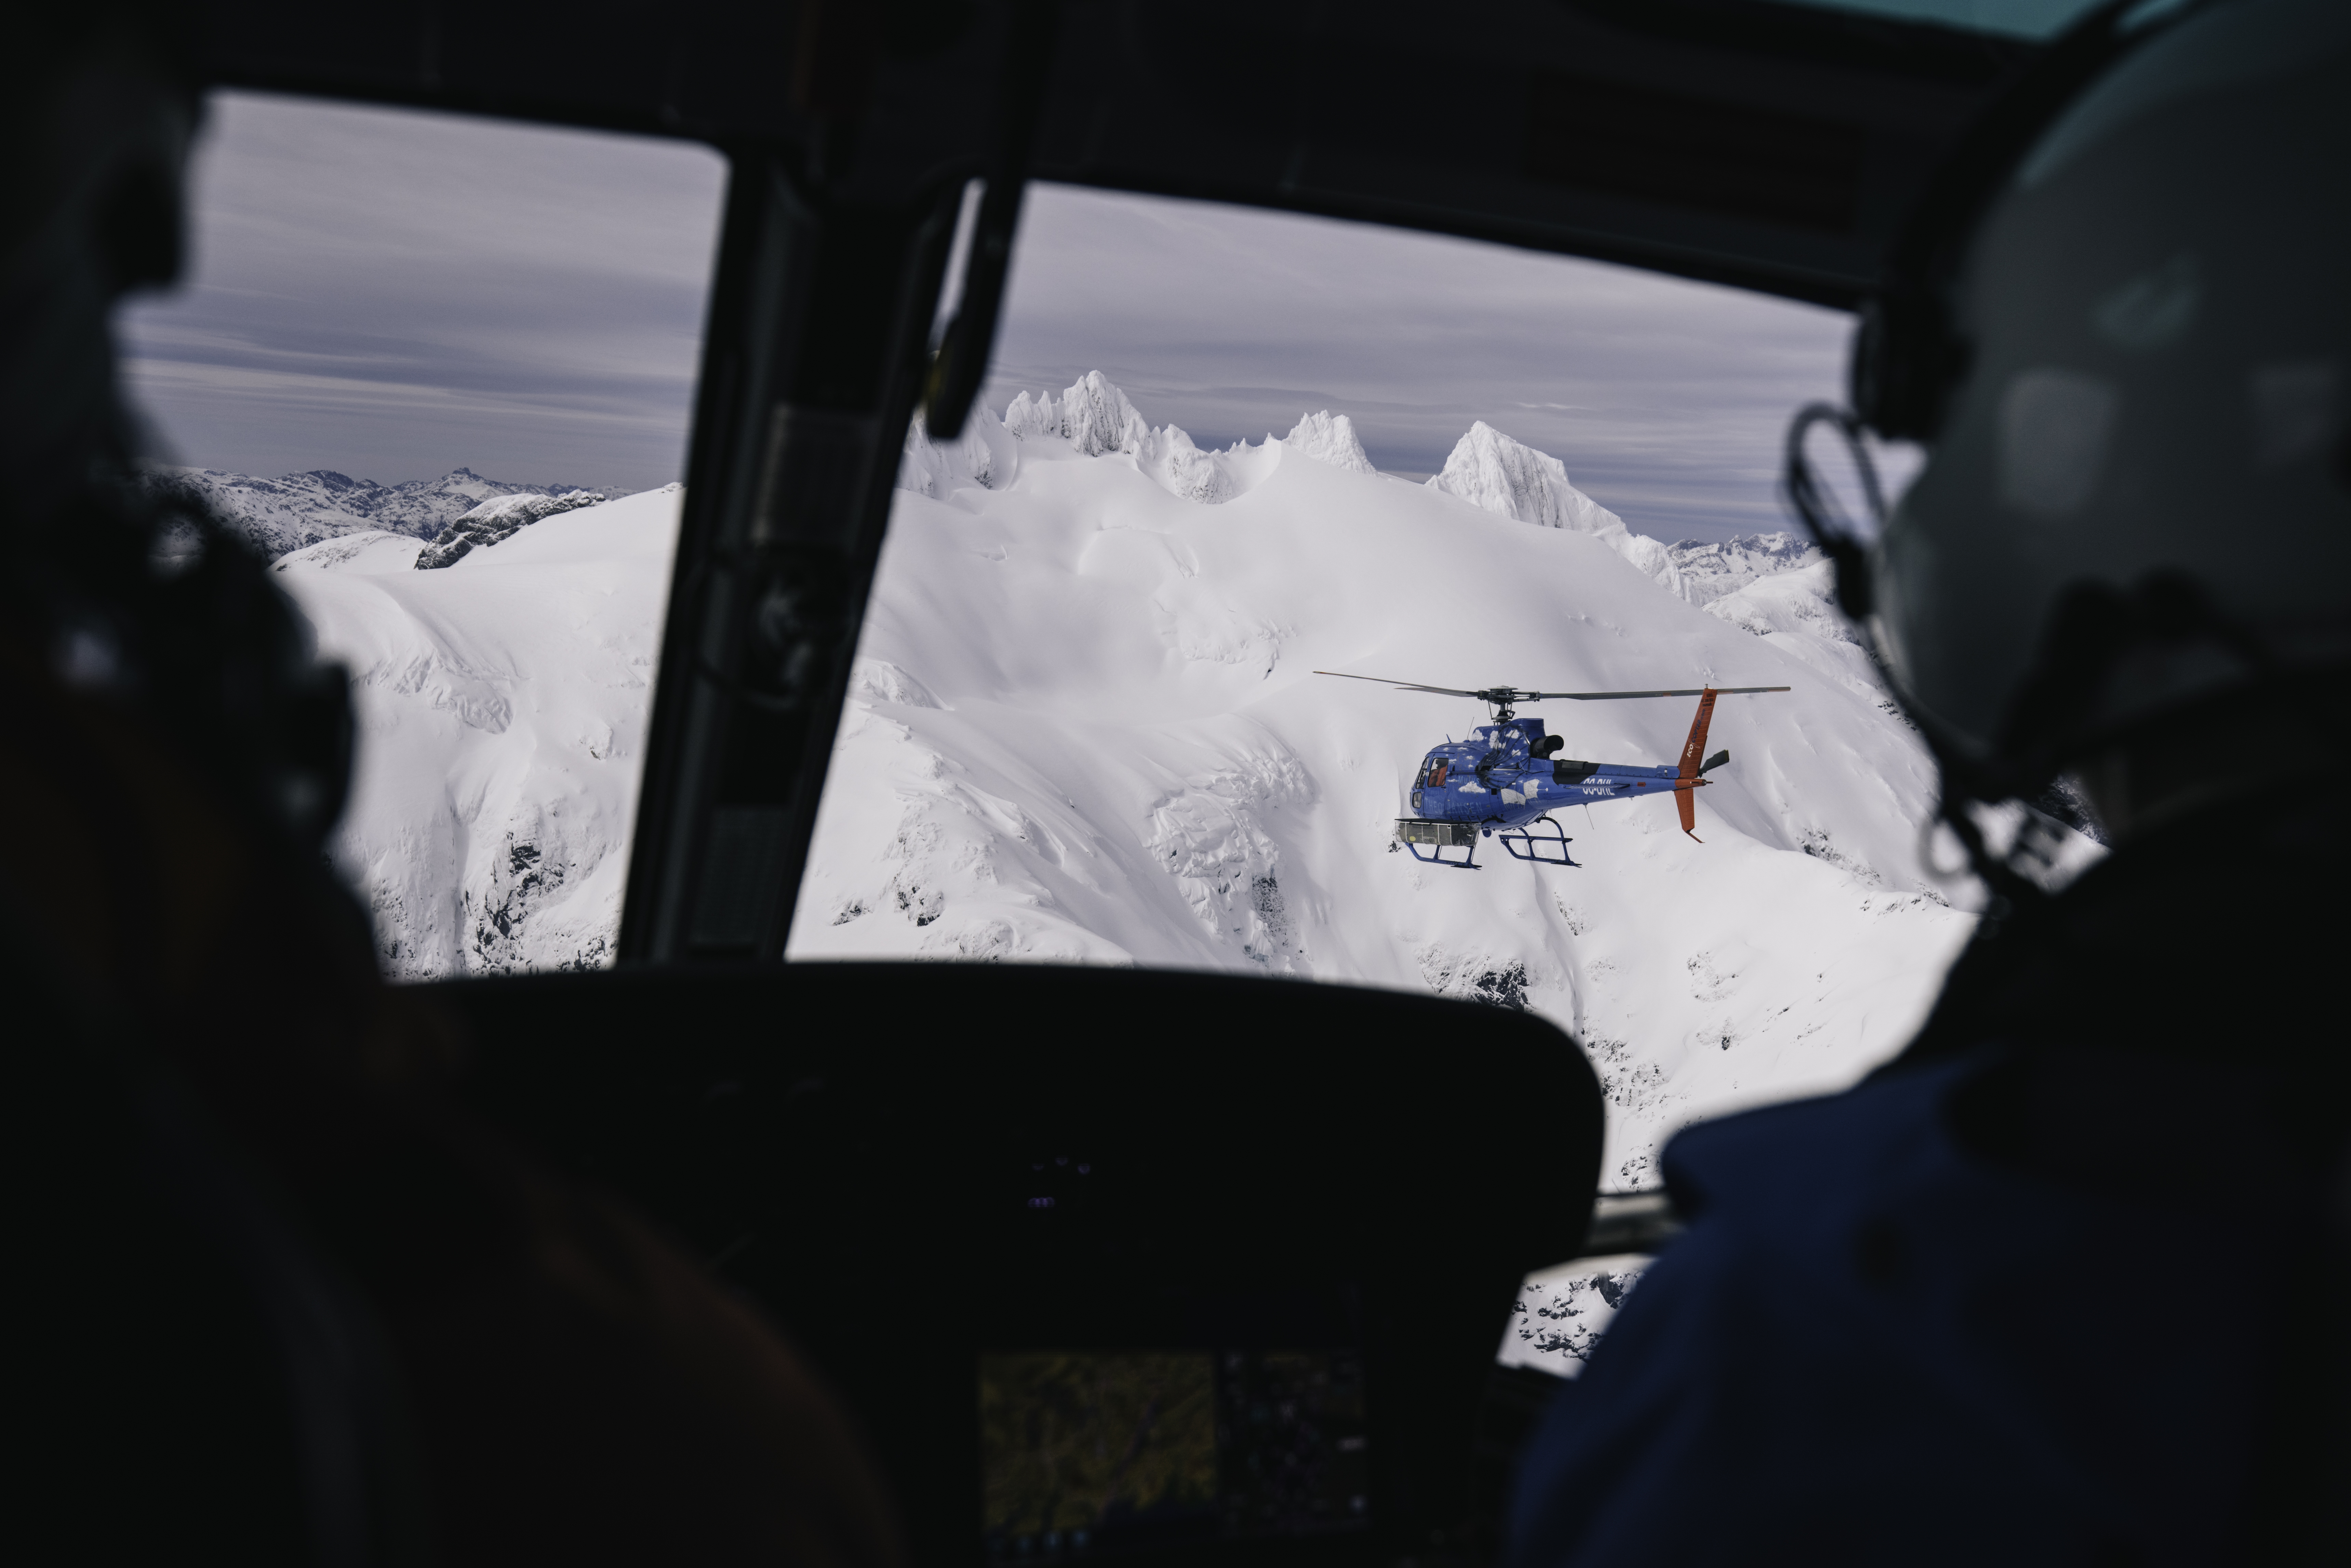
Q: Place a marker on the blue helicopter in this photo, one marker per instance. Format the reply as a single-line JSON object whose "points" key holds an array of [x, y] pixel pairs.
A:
{"points": [[1506, 778]]}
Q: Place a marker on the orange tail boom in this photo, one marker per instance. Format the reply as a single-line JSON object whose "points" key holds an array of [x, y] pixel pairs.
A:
{"points": [[1693, 754]]}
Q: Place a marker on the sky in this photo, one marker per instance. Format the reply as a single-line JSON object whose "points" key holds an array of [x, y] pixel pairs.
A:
{"points": [[1666, 399], [391, 295]]}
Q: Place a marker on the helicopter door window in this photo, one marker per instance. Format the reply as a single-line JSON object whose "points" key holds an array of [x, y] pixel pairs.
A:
{"points": [[1219, 449], [1226, 457], [439, 369]]}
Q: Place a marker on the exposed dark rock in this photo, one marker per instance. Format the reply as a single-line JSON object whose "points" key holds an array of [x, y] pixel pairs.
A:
{"points": [[297, 510], [492, 521], [2065, 801], [1504, 988]]}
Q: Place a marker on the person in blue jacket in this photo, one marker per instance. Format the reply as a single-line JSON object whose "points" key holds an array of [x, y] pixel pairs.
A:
{"points": [[2066, 1282]]}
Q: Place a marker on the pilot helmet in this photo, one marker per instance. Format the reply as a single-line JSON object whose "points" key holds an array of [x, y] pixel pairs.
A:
{"points": [[2138, 496]]}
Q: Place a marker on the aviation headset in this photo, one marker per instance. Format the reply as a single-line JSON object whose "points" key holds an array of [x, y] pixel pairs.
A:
{"points": [[2118, 317]]}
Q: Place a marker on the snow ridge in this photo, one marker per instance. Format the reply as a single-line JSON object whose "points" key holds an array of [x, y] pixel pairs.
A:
{"points": [[1511, 479], [492, 521], [1705, 572], [295, 510]]}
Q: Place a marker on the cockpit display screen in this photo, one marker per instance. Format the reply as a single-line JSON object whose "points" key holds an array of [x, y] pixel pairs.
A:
{"points": [[1087, 1452]]}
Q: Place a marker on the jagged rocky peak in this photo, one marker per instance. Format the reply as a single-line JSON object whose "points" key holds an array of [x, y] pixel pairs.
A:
{"points": [[496, 520], [986, 454], [1092, 415], [1098, 420], [1330, 438], [1182, 469], [1039, 415], [1487, 469], [1512, 479]]}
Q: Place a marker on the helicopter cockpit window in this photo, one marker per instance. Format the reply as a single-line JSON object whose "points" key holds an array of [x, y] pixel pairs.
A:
{"points": [[439, 370], [1227, 456]]}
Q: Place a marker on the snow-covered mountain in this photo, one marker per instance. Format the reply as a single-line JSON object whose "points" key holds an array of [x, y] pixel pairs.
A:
{"points": [[1776, 586], [502, 703], [1705, 572], [1085, 726], [295, 510], [1489, 470]]}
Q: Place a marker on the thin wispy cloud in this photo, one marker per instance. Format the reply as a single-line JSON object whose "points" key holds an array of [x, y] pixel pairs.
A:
{"points": [[394, 293], [1666, 399]]}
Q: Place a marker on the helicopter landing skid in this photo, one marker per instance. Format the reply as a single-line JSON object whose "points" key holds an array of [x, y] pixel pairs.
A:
{"points": [[1524, 843], [1417, 834]]}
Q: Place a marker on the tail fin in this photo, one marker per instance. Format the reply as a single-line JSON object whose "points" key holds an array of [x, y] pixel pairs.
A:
{"points": [[1692, 751]]}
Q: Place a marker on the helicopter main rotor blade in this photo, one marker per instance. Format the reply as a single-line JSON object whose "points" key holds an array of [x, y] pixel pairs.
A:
{"points": [[1677, 692], [1407, 685], [1509, 694]]}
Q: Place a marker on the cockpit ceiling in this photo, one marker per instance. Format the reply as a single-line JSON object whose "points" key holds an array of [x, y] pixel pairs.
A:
{"points": [[2034, 19], [1772, 145]]}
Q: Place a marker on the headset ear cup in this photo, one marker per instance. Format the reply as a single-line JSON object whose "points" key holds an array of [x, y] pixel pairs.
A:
{"points": [[141, 226], [1854, 585], [1865, 376], [1905, 359]]}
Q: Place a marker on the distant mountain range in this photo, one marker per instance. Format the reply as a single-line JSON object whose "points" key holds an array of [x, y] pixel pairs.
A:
{"points": [[298, 509]]}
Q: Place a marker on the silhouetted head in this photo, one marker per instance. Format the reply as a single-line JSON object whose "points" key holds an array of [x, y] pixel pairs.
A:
{"points": [[130, 592], [94, 137], [2131, 538]]}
